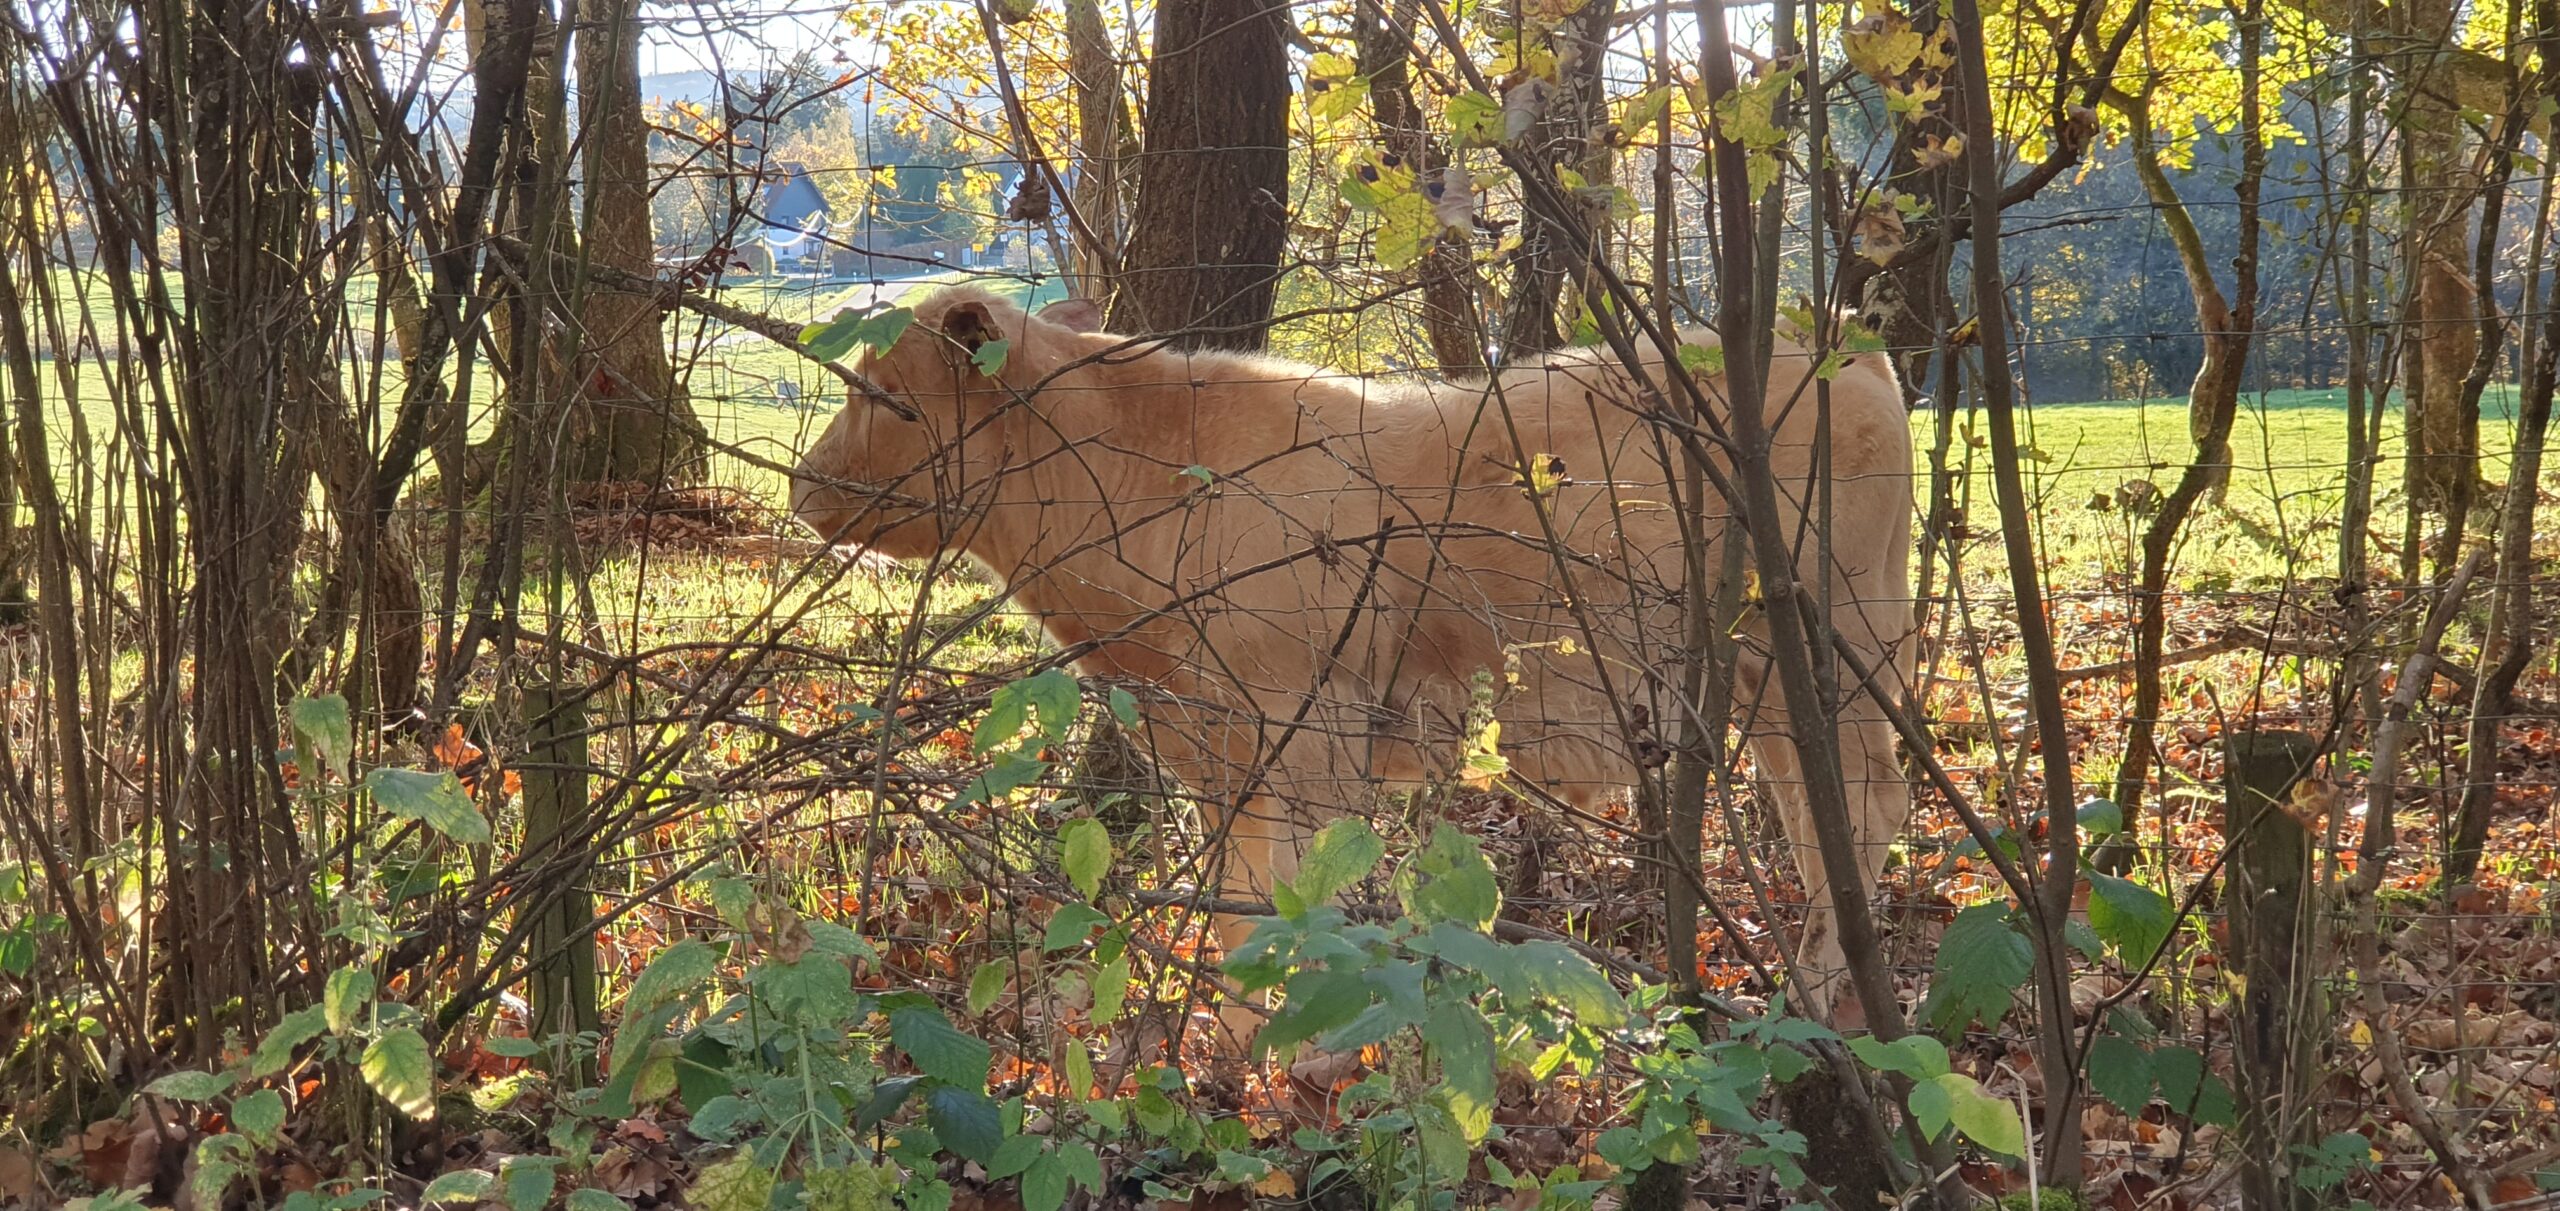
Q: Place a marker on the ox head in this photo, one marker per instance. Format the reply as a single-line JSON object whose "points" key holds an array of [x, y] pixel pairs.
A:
{"points": [[892, 482]]}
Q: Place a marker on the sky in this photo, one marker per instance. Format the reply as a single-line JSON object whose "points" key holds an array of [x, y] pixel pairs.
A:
{"points": [[729, 36]]}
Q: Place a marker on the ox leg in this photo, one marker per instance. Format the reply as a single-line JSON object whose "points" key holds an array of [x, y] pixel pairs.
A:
{"points": [[1878, 802], [1262, 849]]}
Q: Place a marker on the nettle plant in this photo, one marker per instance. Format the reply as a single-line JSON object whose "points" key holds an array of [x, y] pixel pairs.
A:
{"points": [[352, 1027], [1452, 1007], [1984, 959], [814, 1093]]}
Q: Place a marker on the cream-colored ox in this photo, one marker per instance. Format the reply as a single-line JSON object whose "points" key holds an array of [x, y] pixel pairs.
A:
{"points": [[1317, 575]]}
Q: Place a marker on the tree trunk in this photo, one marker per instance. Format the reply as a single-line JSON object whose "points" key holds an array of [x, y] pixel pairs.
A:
{"points": [[1447, 271], [2508, 647], [628, 419], [2228, 322], [1093, 64], [2441, 330], [1203, 260], [1569, 134], [2279, 1019], [250, 357]]}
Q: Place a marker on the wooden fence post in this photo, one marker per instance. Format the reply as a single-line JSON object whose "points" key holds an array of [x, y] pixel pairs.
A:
{"points": [[555, 806], [2278, 1015]]}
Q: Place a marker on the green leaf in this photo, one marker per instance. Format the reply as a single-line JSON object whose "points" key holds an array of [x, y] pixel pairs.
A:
{"points": [[189, 1086], [398, 1067], [989, 357], [720, 1118], [2101, 818], [1074, 922], [939, 1049], [1334, 100], [1081, 1164], [817, 990], [276, 1050], [986, 984], [966, 1121], [1475, 120], [2120, 1072], [113, 1200], [1986, 1120], [1085, 846], [1340, 854], [1552, 970], [1079, 1065], [1406, 226], [829, 938], [2188, 1088], [1319, 1000], [1644, 110], [1054, 694], [1010, 772], [677, 972], [1013, 1156], [1124, 706], [588, 1198], [635, 1037], [1702, 359], [876, 330], [1932, 1107], [527, 1181], [221, 1160], [1044, 1185], [322, 723], [1913, 1055], [735, 1184], [1463, 1043], [928, 1194], [1450, 881], [1110, 991], [1981, 962], [259, 1116], [886, 1097], [2131, 917], [2214, 1107], [349, 991], [459, 1186], [434, 799]]}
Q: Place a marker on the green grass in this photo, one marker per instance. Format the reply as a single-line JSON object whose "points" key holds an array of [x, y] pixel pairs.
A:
{"points": [[2278, 519]]}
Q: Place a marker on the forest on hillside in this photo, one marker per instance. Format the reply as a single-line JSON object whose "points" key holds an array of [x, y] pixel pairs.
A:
{"points": [[1193, 605]]}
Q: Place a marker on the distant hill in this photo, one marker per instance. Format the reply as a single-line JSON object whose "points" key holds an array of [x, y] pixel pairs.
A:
{"points": [[689, 85]]}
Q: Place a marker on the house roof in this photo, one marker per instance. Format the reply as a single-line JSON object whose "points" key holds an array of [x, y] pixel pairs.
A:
{"points": [[794, 201]]}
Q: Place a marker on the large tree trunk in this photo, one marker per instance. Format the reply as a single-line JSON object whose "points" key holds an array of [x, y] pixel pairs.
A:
{"points": [[628, 420], [1569, 134], [1101, 126], [2442, 324], [248, 355], [598, 354], [1203, 259], [1447, 271]]}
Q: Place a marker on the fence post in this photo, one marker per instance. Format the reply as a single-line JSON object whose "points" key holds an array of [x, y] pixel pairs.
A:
{"points": [[2278, 1017], [555, 806]]}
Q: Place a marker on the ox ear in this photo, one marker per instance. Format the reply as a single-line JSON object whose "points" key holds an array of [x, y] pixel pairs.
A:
{"points": [[1077, 315], [969, 326]]}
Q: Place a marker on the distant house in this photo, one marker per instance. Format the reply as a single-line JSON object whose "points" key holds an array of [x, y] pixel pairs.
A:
{"points": [[796, 216]]}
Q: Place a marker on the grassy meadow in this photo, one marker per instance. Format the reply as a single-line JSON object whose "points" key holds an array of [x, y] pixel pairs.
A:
{"points": [[2277, 523]]}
